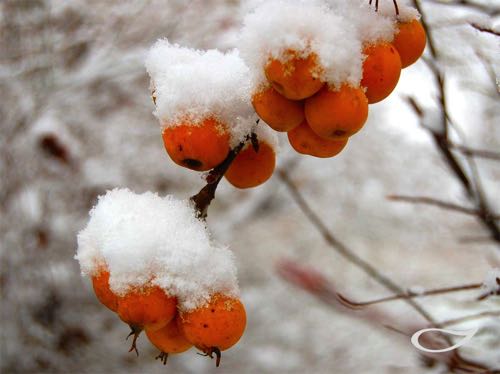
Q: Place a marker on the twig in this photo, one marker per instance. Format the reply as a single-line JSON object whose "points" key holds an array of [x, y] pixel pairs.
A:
{"points": [[396, 8], [409, 294], [203, 198], [454, 321], [325, 290], [480, 153], [468, 4], [441, 141], [344, 250], [437, 203], [485, 29]]}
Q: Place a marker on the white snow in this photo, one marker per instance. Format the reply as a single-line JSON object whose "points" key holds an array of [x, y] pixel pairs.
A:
{"points": [[147, 239], [191, 85], [334, 30], [275, 27], [371, 26]]}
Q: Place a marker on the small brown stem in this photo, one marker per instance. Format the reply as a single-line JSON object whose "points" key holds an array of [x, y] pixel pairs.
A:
{"points": [[203, 198], [210, 353], [135, 331], [396, 8], [163, 357]]}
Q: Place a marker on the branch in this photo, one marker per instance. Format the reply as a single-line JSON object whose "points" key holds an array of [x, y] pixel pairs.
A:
{"points": [[319, 286], [442, 142], [472, 317], [410, 294], [438, 203], [344, 250], [468, 4], [485, 29], [480, 153], [203, 198]]}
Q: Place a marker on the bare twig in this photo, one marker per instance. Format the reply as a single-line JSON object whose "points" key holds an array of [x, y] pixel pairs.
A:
{"points": [[485, 29], [455, 321], [468, 4], [325, 290], [409, 294], [471, 185], [480, 153], [438, 203]]}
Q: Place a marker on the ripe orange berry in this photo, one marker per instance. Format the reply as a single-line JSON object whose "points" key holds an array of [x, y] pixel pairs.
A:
{"points": [[337, 114], [410, 41], [296, 78], [197, 146], [305, 141], [381, 71], [251, 168], [100, 282], [169, 339], [277, 111], [149, 307], [217, 325]]}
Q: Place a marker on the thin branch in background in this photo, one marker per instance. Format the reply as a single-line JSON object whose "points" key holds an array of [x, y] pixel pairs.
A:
{"points": [[476, 194], [325, 290], [468, 4], [480, 153], [488, 67], [474, 240], [343, 249], [455, 321], [437, 203], [485, 29], [410, 294], [442, 143], [472, 185]]}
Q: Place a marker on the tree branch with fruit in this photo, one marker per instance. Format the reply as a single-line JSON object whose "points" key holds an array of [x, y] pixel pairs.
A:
{"points": [[152, 259]]}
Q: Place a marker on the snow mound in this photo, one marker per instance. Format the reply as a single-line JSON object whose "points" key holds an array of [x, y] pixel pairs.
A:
{"points": [[371, 26], [276, 27], [190, 85], [334, 30], [147, 239]]}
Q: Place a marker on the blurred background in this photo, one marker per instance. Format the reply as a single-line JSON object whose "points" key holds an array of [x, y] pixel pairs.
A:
{"points": [[76, 119]]}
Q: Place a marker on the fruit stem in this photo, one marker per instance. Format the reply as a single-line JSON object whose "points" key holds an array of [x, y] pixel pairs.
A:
{"points": [[203, 198], [163, 356], [396, 8], [210, 351], [135, 331]]}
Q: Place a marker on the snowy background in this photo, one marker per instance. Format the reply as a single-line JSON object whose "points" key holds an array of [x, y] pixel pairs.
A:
{"points": [[76, 120]]}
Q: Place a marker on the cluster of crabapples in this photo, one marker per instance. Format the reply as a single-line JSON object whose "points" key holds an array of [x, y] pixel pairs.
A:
{"points": [[318, 116], [153, 263], [212, 328], [313, 69]]}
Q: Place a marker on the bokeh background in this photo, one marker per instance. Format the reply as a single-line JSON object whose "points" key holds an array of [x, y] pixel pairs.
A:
{"points": [[76, 119]]}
